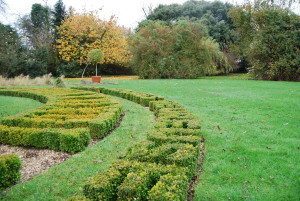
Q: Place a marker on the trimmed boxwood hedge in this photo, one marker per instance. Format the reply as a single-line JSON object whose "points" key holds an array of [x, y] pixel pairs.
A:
{"points": [[67, 121], [131, 180], [10, 166], [67, 140], [140, 98], [158, 169]]}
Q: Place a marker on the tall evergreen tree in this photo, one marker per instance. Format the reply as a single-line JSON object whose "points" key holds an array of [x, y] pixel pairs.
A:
{"points": [[59, 13], [37, 30], [11, 52]]}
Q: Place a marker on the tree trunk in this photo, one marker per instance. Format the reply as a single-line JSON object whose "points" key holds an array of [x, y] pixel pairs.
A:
{"points": [[84, 71], [96, 70]]}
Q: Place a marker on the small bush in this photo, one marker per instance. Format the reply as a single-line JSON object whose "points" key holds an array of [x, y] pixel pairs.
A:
{"points": [[10, 166], [135, 186], [170, 187]]}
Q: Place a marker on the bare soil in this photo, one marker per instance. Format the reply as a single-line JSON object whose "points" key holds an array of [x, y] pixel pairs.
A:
{"points": [[34, 161]]}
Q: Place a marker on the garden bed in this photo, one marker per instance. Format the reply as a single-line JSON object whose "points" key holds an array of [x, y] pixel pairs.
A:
{"points": [[67, 121], [34, 161]]}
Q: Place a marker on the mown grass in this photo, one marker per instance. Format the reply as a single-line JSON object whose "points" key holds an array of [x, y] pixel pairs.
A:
{"points": [[13, 105], [66, 179], [252, 140], [251, 130]]}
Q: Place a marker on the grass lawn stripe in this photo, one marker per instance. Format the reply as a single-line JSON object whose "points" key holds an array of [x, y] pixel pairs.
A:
{"points": [[13, 105]]}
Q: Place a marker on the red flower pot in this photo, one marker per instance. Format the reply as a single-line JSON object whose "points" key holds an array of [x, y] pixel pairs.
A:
{"points": [[96, 79]]}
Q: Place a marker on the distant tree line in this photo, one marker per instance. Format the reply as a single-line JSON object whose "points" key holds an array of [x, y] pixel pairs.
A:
{"points": [[31, 52], [49, 40], [188, 40], [260, 37]]}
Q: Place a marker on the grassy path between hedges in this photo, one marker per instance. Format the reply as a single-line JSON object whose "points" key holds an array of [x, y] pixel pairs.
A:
{"points": [[13, 105], [67, 179], [252, 131]]}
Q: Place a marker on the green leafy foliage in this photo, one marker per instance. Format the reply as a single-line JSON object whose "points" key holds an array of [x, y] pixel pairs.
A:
{"points": [[10, 166], [269, 40], [213, 14], [11, 52], [180, 50], [59, 13], [38, 37], [95, 56]]}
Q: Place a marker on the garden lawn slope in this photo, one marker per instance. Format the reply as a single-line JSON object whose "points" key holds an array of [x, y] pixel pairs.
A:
{"points": [[251, 130], [13, 105], [68, 178]]}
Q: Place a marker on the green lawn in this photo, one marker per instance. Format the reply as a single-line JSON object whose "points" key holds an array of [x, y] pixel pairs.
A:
{"points": [[66, 179], [252, 140], [13, 105], [252, 131]]}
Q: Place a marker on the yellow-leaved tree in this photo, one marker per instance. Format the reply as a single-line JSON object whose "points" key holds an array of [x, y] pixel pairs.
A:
{"points": [[81, 33]]}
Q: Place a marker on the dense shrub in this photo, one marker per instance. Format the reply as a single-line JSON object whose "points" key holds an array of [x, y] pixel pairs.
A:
{"points": [[275, 50], [159, 168], [11, 52], [179, 50], [269, 40], [10, 166], [214, 14], [70, 69], [66, 122]]}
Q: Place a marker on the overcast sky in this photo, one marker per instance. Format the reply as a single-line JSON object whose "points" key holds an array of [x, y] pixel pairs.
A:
{"points": [[128, 12]]}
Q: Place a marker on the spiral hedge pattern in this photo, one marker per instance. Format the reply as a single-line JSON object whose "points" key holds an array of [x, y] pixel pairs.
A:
{"points": [[67, 121], [159, 169]]}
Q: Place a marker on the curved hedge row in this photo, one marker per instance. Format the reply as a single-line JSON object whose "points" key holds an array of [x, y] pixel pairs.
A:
{"points": [[67, 122], [10, 166], [158, 169]]}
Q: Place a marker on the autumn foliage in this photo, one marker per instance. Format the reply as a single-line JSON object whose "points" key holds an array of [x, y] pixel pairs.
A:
{"points": [[80, 33]]}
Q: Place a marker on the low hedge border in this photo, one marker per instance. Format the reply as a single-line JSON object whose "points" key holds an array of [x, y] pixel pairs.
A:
{"points": [[37, 97], [140, 98], [10, 166], [158, 169], [67, 140], [67, 122]]}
